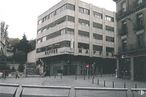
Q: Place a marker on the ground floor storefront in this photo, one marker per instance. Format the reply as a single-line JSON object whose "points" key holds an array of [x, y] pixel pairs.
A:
{"points": [[132, 67], [78, 65]]}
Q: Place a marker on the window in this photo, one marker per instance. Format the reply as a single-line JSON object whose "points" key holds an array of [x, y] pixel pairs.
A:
{"points": [[97, 15], [83, 33], [69, 31], [109, 18], [84, 10], [139, 1], [39, 22], [83, 45], [109, 39], [39, 40], [61, 20], [70, 6], [97, 36], [84, 22], [70, 18], [140, 41], [109, 28], [124, 45], [124, 29], [43, 39], [109, 51], [53, 35], [123, 6], [140, 21], [39, 31], [97, 25], [97, 48], [44, 29]]}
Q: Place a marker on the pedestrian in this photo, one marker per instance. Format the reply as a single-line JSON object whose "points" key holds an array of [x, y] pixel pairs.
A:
{"points": [[17, 74]]}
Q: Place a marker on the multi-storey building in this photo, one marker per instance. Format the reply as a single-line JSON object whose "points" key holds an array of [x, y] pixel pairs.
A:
{"points": [[131, 24], [74, 36]]}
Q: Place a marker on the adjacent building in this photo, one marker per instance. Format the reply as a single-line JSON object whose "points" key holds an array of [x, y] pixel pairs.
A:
{"points": [[75, 37], [131, 24]]}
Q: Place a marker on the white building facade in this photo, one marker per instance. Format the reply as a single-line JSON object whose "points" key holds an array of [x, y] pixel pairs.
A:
{"points": [[72, 34]]}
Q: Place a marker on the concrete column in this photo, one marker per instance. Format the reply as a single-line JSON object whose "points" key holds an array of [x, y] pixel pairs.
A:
{"points": [[132, 68], [117, 69]]}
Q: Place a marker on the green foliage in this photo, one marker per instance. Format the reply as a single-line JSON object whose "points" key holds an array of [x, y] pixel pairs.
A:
{"points": [[21, 48], [20, 57]]}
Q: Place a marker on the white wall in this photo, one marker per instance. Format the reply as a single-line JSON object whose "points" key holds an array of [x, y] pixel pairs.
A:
{"points": [[31, 56]]}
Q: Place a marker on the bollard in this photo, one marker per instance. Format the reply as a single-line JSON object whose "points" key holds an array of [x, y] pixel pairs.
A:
{"points": [[113, 84], [61, 76], [97, 81], [124, 84], [93, 80], [88, 76], [84, 77], [75, 77], [104, 83], [135, 85]]}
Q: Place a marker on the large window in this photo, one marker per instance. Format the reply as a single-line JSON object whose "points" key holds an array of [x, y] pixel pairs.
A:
{"points": [[84, 10], [124, 29], [97, 48], [97, 15], [97, 36], [53, 35], [109, 28], [140, 1], [109, 39], [83, 33], [140, 40], [123, 6], [69, 31], [70, 6], [84, 22], [124, 44], [109, 18], [97, 25], [140, 21]]}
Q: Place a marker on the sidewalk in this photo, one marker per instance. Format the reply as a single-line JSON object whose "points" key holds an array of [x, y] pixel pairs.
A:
{"points": [[78, 81]]}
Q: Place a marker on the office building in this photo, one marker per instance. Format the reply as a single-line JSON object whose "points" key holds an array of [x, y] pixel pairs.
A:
{"points": [[131, 30], [73, 36]]}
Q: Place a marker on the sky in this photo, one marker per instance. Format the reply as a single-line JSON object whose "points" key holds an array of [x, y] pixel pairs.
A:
{"points": [[21, 15]]}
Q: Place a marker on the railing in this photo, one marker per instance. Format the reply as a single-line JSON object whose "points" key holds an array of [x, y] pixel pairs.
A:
{"points": [[47, 91], [104, 92], [8, 90], [15, 90]]}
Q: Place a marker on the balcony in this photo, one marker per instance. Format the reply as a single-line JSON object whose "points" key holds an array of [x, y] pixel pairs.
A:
{"points": [[59, 51]]}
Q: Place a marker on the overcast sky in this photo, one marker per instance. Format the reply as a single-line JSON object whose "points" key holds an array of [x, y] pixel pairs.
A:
{"points": [[21, 15]]}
